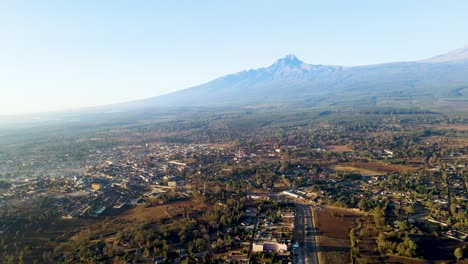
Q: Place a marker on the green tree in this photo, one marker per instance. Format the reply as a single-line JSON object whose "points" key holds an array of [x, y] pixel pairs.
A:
{"points": [[363, 204], [403, 225], [379, 217], [409, 210], [458, 253], [21, 258], [453, 206]]}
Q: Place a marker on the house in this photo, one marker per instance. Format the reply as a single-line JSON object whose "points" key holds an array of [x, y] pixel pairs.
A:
{"points": [[96, 186], [251, 212], [389, 153], [289, 193], [269, 247]]}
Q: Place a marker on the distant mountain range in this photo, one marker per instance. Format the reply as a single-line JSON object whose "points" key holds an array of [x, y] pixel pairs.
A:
{"points": [[290, 81], [439, 83]]}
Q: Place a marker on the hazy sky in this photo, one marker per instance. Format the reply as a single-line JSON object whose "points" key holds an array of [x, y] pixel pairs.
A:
{"points": [[68, 54]]}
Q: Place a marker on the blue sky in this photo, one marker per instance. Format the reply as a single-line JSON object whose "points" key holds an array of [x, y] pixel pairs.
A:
{"points": [[57, 55]]}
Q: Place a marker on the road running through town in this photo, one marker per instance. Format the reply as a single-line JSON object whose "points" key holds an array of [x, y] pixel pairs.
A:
{"points": [[305, 251]]}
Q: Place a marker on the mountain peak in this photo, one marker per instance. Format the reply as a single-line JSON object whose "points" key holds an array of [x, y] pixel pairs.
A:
{"points": [[290, 57], [288, 63], [289, 81], [289, 60]]}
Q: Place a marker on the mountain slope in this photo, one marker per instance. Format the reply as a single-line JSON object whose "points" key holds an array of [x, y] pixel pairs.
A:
{"points": [[459, 55], [291, 81]]}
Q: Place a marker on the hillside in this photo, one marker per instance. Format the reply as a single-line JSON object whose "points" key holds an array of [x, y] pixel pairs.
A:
{"points": [[290, 81]]}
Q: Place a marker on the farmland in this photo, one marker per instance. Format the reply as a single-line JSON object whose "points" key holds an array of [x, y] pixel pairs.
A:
{"points": [[333, 225], [357, 170], [338, 148], [375, 168]]}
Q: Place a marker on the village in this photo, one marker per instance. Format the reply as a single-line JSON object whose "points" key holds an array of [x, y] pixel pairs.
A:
{"points": [[241, 198]]}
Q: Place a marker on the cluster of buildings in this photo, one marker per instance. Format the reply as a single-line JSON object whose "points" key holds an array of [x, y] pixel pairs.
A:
{"points": [[273, 233]]}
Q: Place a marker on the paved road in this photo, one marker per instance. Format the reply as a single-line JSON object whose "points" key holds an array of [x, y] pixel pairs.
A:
{"points": [[304, 234]]}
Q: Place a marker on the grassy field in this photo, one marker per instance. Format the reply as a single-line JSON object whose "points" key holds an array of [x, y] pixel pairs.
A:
{"points": [[362, 171], [374, 168], [42, 235], [142, 214]]}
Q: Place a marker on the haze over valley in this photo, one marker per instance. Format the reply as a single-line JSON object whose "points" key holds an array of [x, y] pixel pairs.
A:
{"points": [[115, 149]]}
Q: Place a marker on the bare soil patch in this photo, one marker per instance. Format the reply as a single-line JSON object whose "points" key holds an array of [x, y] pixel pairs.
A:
{"points": [[384, 167], [458, 127], [333, 225], [156, 213], [403, 260], [338, 148], [372, 168], [459, 142], [359, 170]]}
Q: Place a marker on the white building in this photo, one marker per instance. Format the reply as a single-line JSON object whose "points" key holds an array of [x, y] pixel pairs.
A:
{"points": [[270, 247]]}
